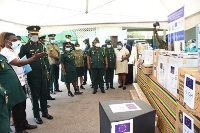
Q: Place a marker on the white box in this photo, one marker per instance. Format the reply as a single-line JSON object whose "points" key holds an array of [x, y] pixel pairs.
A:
{"points": [[148, 57], [172, 72], [162, 69]]}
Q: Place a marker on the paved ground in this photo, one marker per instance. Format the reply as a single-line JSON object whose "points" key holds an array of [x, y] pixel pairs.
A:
{"points": [[79, 114]]}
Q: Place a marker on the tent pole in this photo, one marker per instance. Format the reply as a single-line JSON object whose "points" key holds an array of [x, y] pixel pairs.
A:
{"points": [[86, 7]]}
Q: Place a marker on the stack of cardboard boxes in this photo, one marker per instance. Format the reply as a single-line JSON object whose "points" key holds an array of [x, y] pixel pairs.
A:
{"points": [[147, 59], [165, 68], [188, 101]]}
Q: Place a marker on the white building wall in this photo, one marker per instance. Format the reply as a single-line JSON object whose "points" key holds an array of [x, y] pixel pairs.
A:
{"points": [[104, 33]]}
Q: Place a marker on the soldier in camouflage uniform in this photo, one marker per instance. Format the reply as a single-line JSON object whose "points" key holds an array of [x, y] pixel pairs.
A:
{"points": [[163, 44]]}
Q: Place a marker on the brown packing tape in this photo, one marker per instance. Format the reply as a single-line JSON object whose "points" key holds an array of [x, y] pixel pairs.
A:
{"points": [[180, 95]]}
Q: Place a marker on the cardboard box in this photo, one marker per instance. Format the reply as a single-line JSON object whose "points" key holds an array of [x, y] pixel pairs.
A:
{"points": [[172, 72], [148, 57], [155, 56], [181, 94], [162, 69], [141, 118], [185, 118], [147, 69]]}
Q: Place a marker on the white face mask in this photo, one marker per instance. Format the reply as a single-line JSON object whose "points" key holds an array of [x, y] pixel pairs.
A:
{"points": [[97, 45], [67, 40], [53, 41], [77, 48], [19, 43], [34, 38], [14, 45]]}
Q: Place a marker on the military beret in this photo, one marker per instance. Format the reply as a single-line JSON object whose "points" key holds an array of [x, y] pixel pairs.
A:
{"points": [[96, 39], [51, 35], [119, 42], [86, 40], [42, 37], [68, 36], [33, 29], [109, 41], [106, 40], [76, 44]]}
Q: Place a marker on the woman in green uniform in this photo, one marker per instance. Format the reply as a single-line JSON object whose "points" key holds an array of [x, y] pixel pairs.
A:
{"points": [[67, 60], [79, 61]]}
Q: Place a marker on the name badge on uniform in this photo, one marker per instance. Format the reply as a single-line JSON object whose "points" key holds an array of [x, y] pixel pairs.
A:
{"points": [[2, 65], [6, 97], [32, 50]]}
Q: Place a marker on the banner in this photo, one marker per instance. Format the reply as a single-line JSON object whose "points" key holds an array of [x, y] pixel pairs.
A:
{"points": [[176, 28], [198, 42]]}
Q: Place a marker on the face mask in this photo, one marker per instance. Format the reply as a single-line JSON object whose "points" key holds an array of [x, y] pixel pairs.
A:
{"points": [[14, 45], [67, 40], [34, 38], [97, 45], [77, 48], [67, 49], [119, 47], [19, 43], [53, 41], [108, 46]]}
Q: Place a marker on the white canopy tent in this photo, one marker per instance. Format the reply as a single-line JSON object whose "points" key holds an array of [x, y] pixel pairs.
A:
{"points": [[60, 15]]}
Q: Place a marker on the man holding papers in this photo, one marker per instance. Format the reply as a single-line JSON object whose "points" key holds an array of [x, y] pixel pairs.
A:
{"points": [[18, 111]]}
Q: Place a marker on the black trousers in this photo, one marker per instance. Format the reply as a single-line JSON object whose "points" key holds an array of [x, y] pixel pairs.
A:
{"points": [[19, 115], [85, 73]]}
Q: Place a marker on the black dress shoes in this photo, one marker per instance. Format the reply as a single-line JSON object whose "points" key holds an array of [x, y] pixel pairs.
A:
{"points": [[124, 88], [58, 90], [70, 94], [38, 120], [94, 92], [28, 126], [51, 98], [82, 87], [47, 116], [103, 91], [107, 88], [21, 132], [120, 86], [84, 83], [51, 92], [112, 87]]}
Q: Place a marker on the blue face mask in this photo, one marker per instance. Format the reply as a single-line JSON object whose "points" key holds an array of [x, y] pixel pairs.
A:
{"points": [[119, 47], [67, 49], [108, 46]]}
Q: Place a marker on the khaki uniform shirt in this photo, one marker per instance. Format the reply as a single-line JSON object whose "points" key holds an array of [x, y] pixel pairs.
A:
{"points": [[79, 58], [53, 49]]}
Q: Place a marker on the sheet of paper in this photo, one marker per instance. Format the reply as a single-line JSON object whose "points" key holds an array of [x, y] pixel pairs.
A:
{"points": [[124, 107], [27, 67], [125, 126], [189, 90], [188, 124], [119, 57]]}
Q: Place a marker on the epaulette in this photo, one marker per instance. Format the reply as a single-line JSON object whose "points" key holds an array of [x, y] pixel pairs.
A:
{"points": [[62, 53], [25, 43]]}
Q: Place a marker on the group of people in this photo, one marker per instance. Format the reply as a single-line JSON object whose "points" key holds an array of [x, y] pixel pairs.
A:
{"points": [[44, 61]]}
